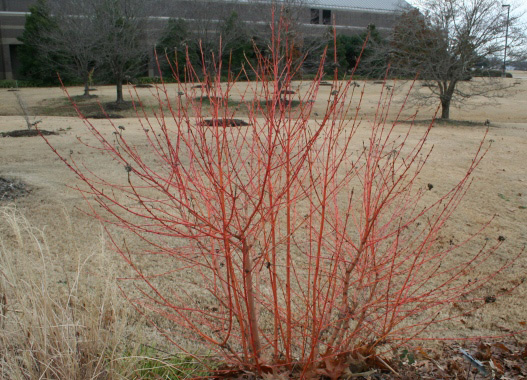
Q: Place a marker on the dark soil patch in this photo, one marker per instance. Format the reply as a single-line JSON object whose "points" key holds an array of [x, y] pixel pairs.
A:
{"points": [[84, 97], [143, 85], [228, 123], [208, 98], [27, 133], [104, 116], [11, 189], [290, 103], [121, 106], [456, 123], [324, 83]]}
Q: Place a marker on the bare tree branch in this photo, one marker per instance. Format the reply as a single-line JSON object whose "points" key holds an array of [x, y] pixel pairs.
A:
{"points": [[445, 41]]}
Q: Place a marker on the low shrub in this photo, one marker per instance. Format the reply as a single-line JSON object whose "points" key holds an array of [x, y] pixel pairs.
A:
{"points": [[288, 247], [9, 83], [150, 80], [489, 73], [12, 83]]}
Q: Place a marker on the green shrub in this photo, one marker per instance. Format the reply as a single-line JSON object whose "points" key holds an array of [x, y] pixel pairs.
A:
{"points": [[489, 73], [9, 83], [13, 83], [149, 80]]}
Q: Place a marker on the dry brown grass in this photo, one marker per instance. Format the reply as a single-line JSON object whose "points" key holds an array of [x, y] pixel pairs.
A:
{"points": [[56, 322], [61, 313]]}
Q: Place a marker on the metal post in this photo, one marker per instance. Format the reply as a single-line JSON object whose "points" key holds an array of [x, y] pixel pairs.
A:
{"points": [[506, 37]]}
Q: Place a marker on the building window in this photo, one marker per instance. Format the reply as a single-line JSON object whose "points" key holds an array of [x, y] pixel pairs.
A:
{"points": [[326, 17], [315, 16]]}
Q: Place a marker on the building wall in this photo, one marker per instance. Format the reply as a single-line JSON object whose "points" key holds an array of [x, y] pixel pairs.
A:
{"points": [[15, 5], [12, 20], [11, 27]]}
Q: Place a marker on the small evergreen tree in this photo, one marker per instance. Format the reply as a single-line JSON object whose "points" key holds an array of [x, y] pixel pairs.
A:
{"points": [[350, 48], [34, 64], [237, 46], [173, 47]]}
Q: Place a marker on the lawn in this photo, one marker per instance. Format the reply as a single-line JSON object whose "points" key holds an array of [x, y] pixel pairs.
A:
{"points": [[54, 253]]}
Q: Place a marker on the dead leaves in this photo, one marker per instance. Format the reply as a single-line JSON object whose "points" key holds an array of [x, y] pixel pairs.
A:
{"points": [[496, 360], [501, 360]]}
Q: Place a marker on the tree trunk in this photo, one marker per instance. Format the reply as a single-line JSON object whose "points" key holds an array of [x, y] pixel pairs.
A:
{"points": [[447, 93], [445, 109], [120, 98], [86, 89]]}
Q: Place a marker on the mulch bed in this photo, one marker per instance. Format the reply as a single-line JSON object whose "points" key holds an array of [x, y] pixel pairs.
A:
{"points": [[121, 106], [27, 133], [104, 116], [11, 189], [220, 122]]}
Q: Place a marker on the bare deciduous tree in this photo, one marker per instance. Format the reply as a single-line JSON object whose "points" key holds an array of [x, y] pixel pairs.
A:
{"points": [[444, 42], [89, 34], [123, 49], [74, 40]]}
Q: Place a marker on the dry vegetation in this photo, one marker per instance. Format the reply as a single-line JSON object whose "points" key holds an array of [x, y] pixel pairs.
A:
{"points": [[61, 312]]}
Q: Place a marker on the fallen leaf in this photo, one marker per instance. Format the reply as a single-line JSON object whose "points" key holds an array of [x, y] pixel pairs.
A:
{"points": [[484, 352], [502, 347], [496, 365]]}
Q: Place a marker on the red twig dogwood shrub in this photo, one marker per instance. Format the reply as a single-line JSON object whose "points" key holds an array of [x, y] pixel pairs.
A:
{"points": [[288, 244]]}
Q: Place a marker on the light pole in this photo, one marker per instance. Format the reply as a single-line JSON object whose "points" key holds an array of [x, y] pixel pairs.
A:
{"points": [[506, 37]]}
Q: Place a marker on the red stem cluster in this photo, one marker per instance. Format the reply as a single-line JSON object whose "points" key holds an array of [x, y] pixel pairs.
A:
{"points": [[308, 246]]}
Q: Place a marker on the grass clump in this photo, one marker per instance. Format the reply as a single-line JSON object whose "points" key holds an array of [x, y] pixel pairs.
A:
{"points": [[148, 364], [57, 321]]}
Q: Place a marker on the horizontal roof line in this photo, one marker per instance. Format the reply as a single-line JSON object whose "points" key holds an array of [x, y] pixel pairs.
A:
{"points": [[9, 13]]}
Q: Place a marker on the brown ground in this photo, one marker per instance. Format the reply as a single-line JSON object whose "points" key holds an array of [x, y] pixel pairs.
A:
{"points": [[499, 190]]}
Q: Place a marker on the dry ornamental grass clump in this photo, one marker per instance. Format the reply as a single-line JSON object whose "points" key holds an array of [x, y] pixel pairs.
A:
{"points": [[67, 329], [285, 246]]}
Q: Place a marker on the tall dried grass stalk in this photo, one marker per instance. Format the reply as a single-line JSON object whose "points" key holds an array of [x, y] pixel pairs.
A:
{"points": [[56, 323]]}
